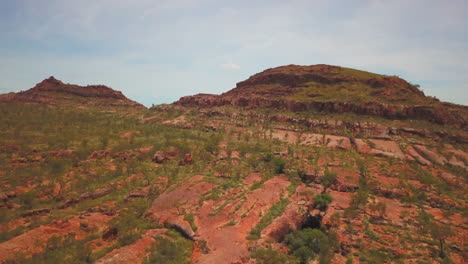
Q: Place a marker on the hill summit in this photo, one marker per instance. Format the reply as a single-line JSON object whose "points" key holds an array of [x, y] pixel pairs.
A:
{"points": [[55, 92]]}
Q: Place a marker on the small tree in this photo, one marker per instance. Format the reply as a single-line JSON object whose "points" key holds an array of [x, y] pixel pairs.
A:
{"points": [[438, 232], [379, 208], [328, 179], [321, 201]]}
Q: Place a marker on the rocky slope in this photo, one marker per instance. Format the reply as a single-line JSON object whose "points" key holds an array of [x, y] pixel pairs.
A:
{"points": [[54, 92], [334, 89], [221, 179]]}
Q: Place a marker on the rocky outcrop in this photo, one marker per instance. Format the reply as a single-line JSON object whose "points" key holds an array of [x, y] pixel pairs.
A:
{"points": [[34, 241], [415, 155], [430, 155], [36, 212], [86, 196], [135, 252], [379, 148]]}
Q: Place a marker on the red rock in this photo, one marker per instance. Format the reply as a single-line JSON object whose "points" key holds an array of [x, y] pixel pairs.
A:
{"points": [[292, 218], [35, 240], [133, 253], [449, 178], [36, 212], [459, 153], [188, 159], [337, 142], [413, 153], [361, 146], [110, 233], [180, 224], [168, 204], [312, 139], [388, 148], [99, 154], [159, 157], [228, 243], [430, 155]]}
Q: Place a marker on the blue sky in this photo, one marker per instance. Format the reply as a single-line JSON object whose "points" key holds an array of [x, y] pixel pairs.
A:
{"points": [[158, 51]]}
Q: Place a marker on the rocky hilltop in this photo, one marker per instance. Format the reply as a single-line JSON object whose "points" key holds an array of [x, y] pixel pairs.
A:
{"points": [[296, 165], [334, 89], [54, 92]]}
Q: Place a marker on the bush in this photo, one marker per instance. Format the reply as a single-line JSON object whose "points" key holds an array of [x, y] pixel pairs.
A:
{"points": [[270, 256], [328, 179], [321, 201], [173, 250], [307, 243], [279, 165]]}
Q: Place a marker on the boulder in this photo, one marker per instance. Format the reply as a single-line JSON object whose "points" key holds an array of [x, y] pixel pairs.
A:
{"points": [[110, 233], [188, 159], [181, 225], [159, 157]]}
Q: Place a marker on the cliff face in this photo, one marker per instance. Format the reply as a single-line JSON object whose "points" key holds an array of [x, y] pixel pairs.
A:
{"points": [[54, 92], [333, 89]]}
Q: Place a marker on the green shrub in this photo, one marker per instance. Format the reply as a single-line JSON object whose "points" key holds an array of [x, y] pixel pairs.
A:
{"points": [[270, 256], [328, 179], [173, 250], [279, 165], [307, 243], [321, 201], [190, 218]]}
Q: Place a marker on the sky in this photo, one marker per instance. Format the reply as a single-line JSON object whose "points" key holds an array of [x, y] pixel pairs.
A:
{"points": [[156, 51]]}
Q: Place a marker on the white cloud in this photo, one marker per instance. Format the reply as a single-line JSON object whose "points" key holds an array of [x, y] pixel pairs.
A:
{"points": [[231, 66]]}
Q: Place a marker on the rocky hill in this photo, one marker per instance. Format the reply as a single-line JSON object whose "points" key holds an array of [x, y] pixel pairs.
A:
{"points": [[54, 92], [335, 89], [297, 164]]}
